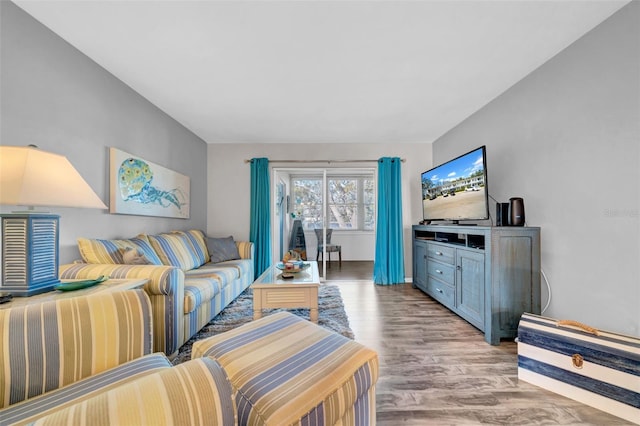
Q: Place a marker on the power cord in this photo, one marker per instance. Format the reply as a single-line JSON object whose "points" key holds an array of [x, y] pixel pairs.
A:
{"points": [[548, 289], [541, 270]]}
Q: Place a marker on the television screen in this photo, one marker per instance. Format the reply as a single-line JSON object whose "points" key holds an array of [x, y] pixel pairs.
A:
{"points": [[457, 189]]}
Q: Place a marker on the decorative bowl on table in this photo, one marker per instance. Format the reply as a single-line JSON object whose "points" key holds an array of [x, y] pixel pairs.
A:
{"points": [[292, 267]]}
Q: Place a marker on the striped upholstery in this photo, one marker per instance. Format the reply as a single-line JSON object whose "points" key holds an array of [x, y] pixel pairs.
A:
{"points": [[205, 310], [199, 290], [165, 289], [27, 411], [286, 370], [224, 273], [246, 249], [244, 267], [197, 239], [111, 251], [177, 250], [194, 393], [206, 282], [52, 344], [181, 306]]}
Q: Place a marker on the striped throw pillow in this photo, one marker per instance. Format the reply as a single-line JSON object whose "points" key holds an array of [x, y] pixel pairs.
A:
{"points": [[197, 240], [111, 251], [176, 250]]}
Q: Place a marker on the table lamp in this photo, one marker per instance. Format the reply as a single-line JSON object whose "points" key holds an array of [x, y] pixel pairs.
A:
{"points": [[30, 239]]}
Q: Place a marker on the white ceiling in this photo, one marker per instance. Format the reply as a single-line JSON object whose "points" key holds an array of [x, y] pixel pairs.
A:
{"points": [[320, 71]]}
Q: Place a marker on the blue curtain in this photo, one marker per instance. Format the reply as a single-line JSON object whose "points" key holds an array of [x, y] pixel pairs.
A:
{"points": [[388, 267], [260, 229]]}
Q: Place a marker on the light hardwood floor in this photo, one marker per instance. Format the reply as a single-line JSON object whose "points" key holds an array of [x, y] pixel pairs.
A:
{"points": [[436, 369]]}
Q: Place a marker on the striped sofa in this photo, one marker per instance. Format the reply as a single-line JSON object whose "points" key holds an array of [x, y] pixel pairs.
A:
{"points": [[185, 288], [88, 360]]}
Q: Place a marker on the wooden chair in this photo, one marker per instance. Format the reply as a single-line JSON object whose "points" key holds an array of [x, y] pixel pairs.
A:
{"points": [[328, 246]]}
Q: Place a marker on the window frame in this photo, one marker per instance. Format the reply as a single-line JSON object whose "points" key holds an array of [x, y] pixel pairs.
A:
{"points": [[360, 175]]}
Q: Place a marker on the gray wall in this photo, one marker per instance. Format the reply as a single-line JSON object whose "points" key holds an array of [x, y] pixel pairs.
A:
{"points": [[566, 138], [55, 97]]}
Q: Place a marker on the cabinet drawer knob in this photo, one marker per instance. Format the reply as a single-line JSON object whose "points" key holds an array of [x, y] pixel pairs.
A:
{"points": [[439, 253], [438, 290], [438, 271]]}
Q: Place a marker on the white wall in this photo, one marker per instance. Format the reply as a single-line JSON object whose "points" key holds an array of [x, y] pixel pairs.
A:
{"points": [[57, 98], [229, 183], [566, 138]]}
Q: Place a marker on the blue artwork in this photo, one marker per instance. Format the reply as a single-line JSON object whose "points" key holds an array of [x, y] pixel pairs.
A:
{"points": [[135, 177], [144, 188]]}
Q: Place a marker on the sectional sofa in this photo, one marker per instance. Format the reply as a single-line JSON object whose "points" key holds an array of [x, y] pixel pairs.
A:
{"points": [[191, 277]]}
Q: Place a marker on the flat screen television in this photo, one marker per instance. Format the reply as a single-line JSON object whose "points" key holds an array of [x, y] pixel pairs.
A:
{"points": [[457, 190]]}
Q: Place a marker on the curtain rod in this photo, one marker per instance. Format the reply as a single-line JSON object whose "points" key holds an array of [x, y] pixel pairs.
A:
{"points": [[323, 161]]}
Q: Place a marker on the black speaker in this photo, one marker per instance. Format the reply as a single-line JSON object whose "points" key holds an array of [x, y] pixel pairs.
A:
{"points": [[502, 214], [516, 211]]}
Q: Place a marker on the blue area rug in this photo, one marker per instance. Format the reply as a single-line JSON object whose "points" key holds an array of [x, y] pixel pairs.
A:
{"points": [[331, 315]]}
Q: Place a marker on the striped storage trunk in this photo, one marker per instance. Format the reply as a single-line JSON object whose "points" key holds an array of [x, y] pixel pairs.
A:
{"points": [[597, 368]]}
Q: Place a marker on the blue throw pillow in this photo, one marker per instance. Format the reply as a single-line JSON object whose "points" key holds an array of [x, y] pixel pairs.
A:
{"points": [[222, 249]]}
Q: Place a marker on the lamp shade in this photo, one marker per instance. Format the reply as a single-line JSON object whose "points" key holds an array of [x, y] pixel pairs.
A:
{"points": [[32, 177]]}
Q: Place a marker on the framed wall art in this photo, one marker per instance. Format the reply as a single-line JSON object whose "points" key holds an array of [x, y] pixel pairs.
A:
{"points": [[140, 187]]}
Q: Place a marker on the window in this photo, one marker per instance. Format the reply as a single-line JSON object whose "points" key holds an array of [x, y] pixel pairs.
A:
{"points": [[350, 197]]}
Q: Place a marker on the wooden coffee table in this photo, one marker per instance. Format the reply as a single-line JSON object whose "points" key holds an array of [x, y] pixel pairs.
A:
{"points": [[270, 290]]}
